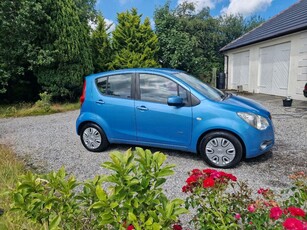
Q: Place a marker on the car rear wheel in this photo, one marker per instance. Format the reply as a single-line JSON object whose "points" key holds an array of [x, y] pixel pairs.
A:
{"points": [[221, 149], [93, 138]]}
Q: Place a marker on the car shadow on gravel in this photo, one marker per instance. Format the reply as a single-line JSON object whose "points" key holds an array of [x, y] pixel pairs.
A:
{"points": [[262, 158], [172, 153]]}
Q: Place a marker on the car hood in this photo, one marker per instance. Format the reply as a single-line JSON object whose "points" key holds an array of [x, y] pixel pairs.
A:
{"points": [[243, 104]]}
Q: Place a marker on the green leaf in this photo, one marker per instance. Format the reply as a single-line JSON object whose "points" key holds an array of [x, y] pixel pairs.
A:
{"points": [[131, 217], [55, 222], [106, 218], [102, 196], [18, 198], [97, 205], [149, 221], [114, 205], [156, 226]]}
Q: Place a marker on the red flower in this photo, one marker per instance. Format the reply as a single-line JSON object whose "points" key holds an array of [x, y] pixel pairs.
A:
{"points": [[177, 227], [208, 182], [262, 191], [216, 174], [296, 211], [130, 227], [192, 179], [275, 213], [231, 177], [237, 216], [251, 208], [197, 172], [185, 188], [209, 171], [293, 224]]}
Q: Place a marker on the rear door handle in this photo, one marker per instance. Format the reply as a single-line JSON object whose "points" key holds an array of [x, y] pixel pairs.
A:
{"points": [[142, 108], [100, 101]]}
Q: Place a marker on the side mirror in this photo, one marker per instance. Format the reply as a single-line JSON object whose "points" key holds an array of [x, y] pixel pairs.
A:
{"points": [[175, 101]]}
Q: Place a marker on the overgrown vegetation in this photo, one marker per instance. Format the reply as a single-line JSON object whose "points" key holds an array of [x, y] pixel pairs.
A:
{"points": [[11, 168], [29, 109]]}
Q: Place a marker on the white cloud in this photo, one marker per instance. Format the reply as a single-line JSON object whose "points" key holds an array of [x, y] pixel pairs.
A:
{"points": [[200, 4], [246, 8], [108, 23], [152, 24]]}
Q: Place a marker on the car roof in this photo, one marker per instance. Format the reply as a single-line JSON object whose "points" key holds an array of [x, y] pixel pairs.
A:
{"points": [[137, 70]]}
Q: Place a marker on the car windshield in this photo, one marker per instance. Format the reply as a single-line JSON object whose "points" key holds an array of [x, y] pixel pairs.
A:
{"points": [[206, 90]]}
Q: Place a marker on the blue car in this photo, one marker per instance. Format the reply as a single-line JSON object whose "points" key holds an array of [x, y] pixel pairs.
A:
{"points": [[168, 108]]}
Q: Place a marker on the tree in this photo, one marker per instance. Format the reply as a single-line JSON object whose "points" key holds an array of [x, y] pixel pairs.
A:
{"points": [[67, 43], [191, 40], [101, 47], [19, 33], [134, 44], [181, 38]]}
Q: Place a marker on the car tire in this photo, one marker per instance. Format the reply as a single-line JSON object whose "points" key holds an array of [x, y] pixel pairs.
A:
{"points": [[221, 149], [93, 138]]}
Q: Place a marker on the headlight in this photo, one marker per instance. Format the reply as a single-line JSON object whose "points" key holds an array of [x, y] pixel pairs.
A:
{"points": [[254, 120]]}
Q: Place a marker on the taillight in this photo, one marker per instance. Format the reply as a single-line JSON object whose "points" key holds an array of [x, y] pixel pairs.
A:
{"points": [[82, 98], [306, 87]]}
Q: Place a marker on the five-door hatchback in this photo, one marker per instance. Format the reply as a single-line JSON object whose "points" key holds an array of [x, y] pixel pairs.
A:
{"points": [[168, 108]]}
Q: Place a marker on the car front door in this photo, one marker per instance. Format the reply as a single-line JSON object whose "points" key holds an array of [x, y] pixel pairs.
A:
{"points": [[156, 121]]}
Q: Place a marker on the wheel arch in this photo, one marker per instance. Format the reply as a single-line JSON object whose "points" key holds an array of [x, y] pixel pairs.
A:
{"points": [[221, 130], [81, 125]]}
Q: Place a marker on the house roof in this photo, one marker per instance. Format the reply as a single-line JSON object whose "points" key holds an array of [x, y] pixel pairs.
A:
{"points": [[291, 20]]}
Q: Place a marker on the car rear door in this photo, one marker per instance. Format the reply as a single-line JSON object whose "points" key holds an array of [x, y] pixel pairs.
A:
{"points": [[114, 99]]}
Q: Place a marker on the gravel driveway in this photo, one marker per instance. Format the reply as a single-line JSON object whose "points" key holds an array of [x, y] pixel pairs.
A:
{"points": [[49, 142]]}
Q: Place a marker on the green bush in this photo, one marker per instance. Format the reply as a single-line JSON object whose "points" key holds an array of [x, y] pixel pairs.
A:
{"points": [[44, 102], [133, 197]]}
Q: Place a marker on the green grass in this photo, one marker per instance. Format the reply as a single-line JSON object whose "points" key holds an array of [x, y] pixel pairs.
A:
{"points": [[11, 168], [27, 109]]}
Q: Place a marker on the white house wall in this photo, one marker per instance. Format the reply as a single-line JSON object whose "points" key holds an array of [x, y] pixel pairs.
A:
{"points": [[295, 44]]}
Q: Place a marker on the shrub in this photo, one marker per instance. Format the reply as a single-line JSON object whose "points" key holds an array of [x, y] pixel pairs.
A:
{"points": [[44, 102], [221, 202], [133, 198]]}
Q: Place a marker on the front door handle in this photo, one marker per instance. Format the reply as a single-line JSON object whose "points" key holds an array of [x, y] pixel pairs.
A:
{"points": [[100, 101], [142, 108]]}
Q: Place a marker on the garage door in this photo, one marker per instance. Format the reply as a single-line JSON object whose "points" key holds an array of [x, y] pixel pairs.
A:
{"points": [[241, 70], [274, 69]]}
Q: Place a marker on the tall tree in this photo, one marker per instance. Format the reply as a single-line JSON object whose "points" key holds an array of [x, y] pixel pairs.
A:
{"points": [[67, 41], [191, 40], [19, 34], [180, 34], [101, 47], [134, 44]]}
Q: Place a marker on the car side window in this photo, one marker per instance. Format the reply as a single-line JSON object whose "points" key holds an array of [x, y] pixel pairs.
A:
{"points": [[115, 85], [156, 88]]}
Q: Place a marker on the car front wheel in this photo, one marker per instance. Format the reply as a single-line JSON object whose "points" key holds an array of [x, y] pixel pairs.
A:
{"points": [[221, 149], [93, 138]]}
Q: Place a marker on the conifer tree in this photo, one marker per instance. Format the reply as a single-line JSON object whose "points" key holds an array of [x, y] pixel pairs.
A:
{"points": [[67, 40], [102, 54], [134, 44]]}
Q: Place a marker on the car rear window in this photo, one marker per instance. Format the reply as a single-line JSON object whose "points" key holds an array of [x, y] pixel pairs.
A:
{"points": [[115, 85]]}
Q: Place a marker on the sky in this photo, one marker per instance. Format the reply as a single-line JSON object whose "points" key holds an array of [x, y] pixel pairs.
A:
{"points": [[264, 8]]}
